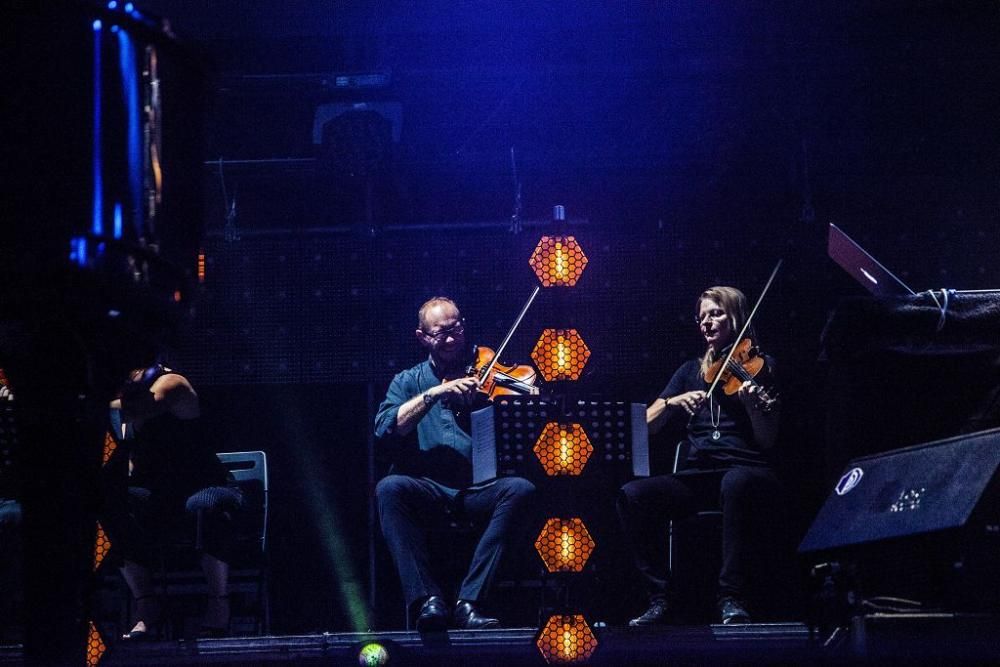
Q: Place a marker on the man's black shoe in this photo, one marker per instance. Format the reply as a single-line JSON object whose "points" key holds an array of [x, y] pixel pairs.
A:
{"points": [[467, 617], [657, 614], [732, 612], [433, 615]]}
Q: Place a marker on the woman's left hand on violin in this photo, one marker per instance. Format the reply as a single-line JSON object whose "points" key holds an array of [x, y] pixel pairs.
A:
{"points": [[755, 399]]}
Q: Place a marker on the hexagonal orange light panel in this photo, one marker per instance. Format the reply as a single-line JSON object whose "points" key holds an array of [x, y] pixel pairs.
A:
{"points": [[102, 545], [566, 638], [110, 446], [565, 545], [563, 449], [558, 261], [95, 646], [560, 354]]}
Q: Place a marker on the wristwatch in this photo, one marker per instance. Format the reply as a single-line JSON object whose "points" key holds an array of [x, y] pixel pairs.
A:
{"points": [[428, 399]]}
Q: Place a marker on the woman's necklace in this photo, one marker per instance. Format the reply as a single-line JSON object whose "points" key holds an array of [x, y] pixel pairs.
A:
{"points": [[715, 414]]}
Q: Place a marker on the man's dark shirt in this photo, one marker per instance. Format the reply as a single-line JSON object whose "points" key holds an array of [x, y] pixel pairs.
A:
{"points": [[444, 451]]}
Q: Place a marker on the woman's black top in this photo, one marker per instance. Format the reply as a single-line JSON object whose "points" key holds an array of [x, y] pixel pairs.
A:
{"points": [[735, 444]]}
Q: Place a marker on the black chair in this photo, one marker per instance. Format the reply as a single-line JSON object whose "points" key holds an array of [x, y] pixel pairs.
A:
{"points": [[249, 574], [249, 571]]}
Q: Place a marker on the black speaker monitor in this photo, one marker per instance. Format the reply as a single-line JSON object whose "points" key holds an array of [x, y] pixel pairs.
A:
{"points": [[937, 486]]}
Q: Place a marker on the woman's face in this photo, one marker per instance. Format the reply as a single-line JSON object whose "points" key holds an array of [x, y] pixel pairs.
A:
{"points": [[715, 324]]}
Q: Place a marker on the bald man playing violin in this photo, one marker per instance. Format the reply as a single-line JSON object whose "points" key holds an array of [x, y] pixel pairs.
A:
{"points": [[726, 468], [430, 482]]}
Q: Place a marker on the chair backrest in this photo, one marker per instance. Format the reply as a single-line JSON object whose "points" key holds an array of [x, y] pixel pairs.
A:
{"points": [[681, 455], [249, 471]]}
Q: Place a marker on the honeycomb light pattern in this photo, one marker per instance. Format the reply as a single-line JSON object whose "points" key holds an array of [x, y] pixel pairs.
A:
{"points": [[560, 354], [102, 545], [563, 449], [95, 646], [565, 545], [558, 261], [109, 447], [566, 638]]}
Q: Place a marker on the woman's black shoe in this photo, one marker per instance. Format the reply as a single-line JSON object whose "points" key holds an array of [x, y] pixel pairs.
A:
{"points": [[147, 611], [657, 614], [732, 612], [134, 635]]}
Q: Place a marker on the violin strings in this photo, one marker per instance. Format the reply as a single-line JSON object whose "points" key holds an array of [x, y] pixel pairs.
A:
{"points": [[744, 375], [740, 372]]}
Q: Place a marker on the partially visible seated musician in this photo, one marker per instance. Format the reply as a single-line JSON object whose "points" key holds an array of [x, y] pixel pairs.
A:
{"points": [[10, 530], [168, 475], [433, 479], [727, 468]]}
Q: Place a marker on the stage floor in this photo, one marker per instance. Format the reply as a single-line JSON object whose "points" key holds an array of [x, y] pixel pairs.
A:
{"points": [[781, 643], [873, 639]]}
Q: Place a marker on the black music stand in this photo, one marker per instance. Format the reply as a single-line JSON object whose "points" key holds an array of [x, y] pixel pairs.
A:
{"points": [[504, 434]]}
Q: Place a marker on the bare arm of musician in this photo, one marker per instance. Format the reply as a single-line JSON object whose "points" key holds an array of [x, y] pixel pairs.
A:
{"points": [[660, 409], [411, 412], [170, 393]]}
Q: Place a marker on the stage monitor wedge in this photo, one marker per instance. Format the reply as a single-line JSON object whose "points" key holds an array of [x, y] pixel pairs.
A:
{"points": [[936, 486]]}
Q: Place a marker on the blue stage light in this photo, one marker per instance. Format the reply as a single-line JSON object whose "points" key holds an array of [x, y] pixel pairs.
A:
{"points": [[97, 214], [118, 221], [78, 250], [113, 4], [114, 28], [129, 7]]}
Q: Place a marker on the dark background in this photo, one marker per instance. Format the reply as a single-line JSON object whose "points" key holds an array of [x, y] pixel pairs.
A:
{"points": [[692, 144]]}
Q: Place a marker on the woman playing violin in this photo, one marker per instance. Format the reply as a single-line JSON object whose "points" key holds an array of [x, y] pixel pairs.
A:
{"points": [[726, 467], [747, 432], [431, 480]]}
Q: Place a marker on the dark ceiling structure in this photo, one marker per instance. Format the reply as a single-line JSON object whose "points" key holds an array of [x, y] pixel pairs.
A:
{"points": [[750, 116]]}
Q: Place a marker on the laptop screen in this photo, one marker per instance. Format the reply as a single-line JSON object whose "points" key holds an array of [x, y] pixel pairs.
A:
{"points": [[864, 268]]}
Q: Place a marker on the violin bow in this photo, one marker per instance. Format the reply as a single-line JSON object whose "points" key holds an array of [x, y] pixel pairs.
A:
{"points": [[510, 334], [746, 325]]}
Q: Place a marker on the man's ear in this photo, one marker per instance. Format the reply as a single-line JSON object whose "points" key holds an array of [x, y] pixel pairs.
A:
{"points": [[421, 337]]}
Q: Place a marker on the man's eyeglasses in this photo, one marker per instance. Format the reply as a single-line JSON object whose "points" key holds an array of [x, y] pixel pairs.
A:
{"points": [[454, 330]]}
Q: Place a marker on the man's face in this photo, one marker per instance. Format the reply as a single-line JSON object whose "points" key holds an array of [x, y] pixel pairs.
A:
{"points": [[443, 333], [715, 323]]}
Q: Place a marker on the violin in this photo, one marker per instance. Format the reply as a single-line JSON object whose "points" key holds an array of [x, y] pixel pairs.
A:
{"points": [[496, 379], [743, 364]]}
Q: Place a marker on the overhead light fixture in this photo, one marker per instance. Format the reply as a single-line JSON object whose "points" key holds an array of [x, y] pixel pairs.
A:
{"points": [[558, 261]]}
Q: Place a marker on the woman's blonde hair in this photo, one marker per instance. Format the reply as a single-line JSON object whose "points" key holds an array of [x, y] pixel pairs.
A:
{"points": [[734, 302]]}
